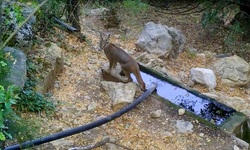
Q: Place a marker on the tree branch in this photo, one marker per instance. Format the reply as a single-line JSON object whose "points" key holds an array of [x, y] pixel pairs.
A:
{"points": [[25, 21]]}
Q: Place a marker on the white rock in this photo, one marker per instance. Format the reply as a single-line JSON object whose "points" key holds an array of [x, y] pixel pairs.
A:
{"points": [[92, 106], [181, 111], [203, 76], [156, 114]]}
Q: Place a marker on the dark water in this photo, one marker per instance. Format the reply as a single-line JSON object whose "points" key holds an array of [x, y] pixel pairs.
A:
{"points": [[212, 111]]}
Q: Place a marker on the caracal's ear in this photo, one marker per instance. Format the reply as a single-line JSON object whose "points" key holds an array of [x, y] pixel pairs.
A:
{"points": [[103, 43]]}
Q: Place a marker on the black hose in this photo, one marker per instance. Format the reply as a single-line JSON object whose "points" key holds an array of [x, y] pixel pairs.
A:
{"points": [[84, 127], [65, 25]]}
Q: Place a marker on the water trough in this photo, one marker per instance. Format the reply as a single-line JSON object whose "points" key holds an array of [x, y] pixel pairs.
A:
{"points": [[199, 106]]}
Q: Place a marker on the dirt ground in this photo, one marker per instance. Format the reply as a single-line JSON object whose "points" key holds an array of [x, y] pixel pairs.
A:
{"points": [[79, 85]]}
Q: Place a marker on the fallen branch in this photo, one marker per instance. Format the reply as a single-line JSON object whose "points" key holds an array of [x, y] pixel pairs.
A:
{"points": [[25, 21], [98, 144]]}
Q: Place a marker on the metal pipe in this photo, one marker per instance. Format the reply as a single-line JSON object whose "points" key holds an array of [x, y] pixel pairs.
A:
{"points": [[89, 126]]}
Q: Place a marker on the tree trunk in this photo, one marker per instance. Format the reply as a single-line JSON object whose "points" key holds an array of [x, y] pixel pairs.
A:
{"points": [[73, 13]]}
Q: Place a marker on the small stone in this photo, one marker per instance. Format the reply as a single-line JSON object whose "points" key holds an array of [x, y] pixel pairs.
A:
{"points": [[201, 134], [190, 83], [86, 97], [236, 147], [67, 63], [57, 84], [181, 111], [92, 106], [166, 134], [156, 114], [200, 55]]}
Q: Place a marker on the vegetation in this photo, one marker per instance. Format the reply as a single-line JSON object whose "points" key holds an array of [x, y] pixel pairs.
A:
{"points": [[8, 97]]}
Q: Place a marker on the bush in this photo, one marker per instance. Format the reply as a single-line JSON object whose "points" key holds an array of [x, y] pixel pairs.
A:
{"points": [[31, 100]]}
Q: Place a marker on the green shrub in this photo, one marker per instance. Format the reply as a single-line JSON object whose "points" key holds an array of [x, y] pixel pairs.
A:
{"points": [[134, 7], [6, 61], [31, 100], [8, 97]]}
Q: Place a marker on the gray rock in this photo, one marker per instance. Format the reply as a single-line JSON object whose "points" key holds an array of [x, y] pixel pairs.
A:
{"points": [[92, 106], [98, 11], [240, 142], [234, 71], [62, 142], [184, 126], [166, 134], [18, 72], [201, 55], [156, 114], [53, 65], [203, 76], [121, 94], [160, 39]]}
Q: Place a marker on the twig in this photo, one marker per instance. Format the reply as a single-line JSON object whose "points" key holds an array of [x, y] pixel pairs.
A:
{"points": [[25, 21], [106, 140]]}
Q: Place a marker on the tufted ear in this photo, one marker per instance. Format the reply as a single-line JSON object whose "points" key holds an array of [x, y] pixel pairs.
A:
{"points": [[103, 42]]}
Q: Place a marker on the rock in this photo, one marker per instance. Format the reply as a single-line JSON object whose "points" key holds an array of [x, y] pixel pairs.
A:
{"points": [[181, 111], [184, 126], [214, 96], [121, 94], [24, 36], [178, 42], [203, 76], [201, 55], [150, 60], [62, 142], [110, 18], [190, 83], [18, 72], [234, 71], [156, 114], [52, 65], [111, 146], [98, 11], [166, 134], [236, 102], [183, 75], [236, 147], [241, 142], [201, 134], [57, 84], [161, 40], [92, 106]]}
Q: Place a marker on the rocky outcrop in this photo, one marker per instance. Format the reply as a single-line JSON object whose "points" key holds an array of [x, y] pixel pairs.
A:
{"points": [[52, 65], [121, 94], [234, 71], [13, 18], [18, 72], [161, 40]]}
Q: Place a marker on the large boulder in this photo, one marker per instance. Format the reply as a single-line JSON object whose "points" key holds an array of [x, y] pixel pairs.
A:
{"points": [[53, 64], [161, 40], [18, 72], [121, 94], [234, 71]]}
